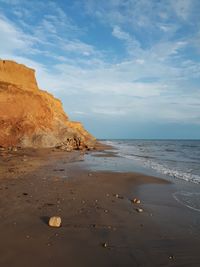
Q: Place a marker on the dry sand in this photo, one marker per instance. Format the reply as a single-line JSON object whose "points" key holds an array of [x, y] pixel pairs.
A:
{"points": [[100, 225]]}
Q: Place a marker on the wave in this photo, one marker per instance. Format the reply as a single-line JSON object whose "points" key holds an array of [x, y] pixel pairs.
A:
{"points": [[160, 168], [188, 199], [158, 156]]}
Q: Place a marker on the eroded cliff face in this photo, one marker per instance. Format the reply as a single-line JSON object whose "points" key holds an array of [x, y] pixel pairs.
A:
{"points": [[30, 117]]}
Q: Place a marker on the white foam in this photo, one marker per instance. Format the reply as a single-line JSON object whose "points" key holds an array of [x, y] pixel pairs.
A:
{"points": [[159, 168], [188, 199], [134, 152]]}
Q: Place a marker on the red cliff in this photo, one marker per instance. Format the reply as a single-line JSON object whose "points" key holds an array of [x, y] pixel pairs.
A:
{"points": [[30, 117]]}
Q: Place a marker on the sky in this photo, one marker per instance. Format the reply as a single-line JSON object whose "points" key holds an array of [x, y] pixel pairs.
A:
{"points": [[124, 68]]}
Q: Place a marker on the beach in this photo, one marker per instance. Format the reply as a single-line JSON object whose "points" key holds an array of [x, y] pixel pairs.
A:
{"points": [[101, 226]]}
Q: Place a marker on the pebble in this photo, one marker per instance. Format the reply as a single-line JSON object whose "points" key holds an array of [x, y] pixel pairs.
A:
{"points": [[139, 210], [104, 245], [136, 201], [55, 221]]}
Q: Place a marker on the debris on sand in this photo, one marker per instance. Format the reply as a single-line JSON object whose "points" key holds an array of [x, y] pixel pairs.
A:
{"points": [[55, 221], [135, 201], [139, 210], [104, 245]]}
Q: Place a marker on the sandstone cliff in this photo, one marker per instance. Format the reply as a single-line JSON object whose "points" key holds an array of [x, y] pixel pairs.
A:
{"points": [[30, 117]]}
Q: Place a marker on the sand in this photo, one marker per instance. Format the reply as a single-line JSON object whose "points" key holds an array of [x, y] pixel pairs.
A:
{"points": [[100, 224]]}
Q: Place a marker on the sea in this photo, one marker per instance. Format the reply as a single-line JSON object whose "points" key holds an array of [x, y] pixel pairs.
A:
{"points": [[178, 159]]}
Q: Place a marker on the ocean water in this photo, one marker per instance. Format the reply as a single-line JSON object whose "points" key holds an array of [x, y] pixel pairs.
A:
{"points": [[173, 158]]}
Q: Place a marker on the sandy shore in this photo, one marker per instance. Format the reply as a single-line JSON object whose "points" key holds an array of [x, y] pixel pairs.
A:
{"points": [[96, 210]]}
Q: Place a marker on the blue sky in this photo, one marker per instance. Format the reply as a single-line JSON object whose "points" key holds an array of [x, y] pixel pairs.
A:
{"points": [[125, 68]]}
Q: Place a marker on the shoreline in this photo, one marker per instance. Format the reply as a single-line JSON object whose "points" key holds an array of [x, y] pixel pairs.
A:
{"points": [[95, 208]]}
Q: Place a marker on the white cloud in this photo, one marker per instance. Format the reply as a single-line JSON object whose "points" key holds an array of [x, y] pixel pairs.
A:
{"points": [[12, 38], [182, 8], [117, 32], [79, 47]]}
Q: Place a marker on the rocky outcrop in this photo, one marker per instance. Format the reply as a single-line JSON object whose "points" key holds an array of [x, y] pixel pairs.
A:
{"points": [[30, 117]]}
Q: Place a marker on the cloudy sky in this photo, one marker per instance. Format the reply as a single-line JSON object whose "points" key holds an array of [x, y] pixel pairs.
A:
{"points": [[125, 68]]}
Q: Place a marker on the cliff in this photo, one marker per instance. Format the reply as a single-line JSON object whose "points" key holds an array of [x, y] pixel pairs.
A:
{"points": [[30, 117]]}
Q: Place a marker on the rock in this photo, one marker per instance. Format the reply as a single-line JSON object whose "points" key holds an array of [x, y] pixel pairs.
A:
{"points": [[55, 221], [139, 210], [30, 117], [104, 245], [118, 196], [135, 201]]}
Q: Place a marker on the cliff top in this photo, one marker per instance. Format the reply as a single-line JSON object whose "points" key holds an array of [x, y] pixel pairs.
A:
{"points": [[18, 74]]}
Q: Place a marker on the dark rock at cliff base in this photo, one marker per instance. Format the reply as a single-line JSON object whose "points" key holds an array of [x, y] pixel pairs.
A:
{"points": [[30, 117]]}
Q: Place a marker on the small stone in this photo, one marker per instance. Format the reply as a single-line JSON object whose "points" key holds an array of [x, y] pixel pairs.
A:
{"points": [[104, 245], [136, 201], [139, 210], [55, 221]]}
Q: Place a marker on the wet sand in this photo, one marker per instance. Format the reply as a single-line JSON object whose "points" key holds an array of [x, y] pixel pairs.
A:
{"points": [[100, 225]]}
